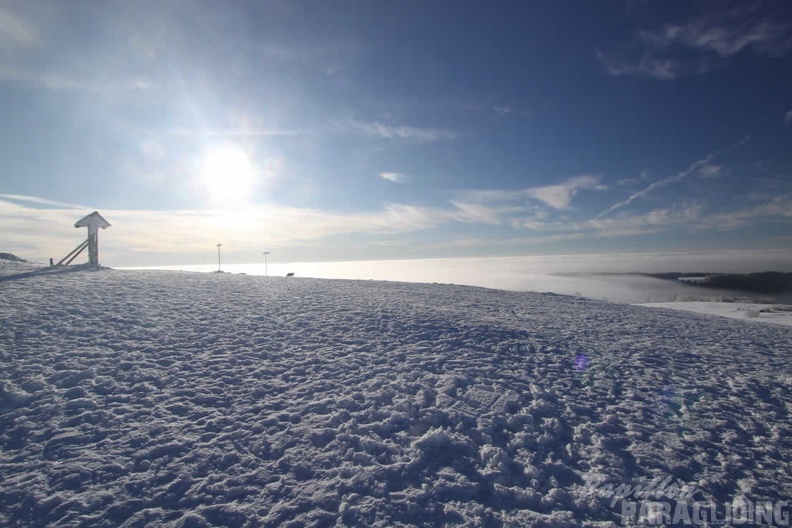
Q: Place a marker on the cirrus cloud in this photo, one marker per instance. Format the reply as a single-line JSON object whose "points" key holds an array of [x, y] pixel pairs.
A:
{"points": [[701, 43], [395, 177], [557, 196]]}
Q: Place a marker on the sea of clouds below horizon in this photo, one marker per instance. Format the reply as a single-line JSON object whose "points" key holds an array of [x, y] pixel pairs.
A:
{"points": [[619, 277]]}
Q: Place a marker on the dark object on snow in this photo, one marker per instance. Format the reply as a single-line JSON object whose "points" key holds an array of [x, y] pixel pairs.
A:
{"points": [[290, 274]]}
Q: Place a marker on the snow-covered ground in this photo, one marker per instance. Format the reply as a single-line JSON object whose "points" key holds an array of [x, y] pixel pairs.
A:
{"points": [[754, 312], [152, 398]]}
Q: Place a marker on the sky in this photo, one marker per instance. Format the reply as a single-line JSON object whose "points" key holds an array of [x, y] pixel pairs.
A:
{"points": [[385, 130]]}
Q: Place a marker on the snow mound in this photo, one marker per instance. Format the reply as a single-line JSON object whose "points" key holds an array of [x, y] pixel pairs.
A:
{"points": [[11, 265], [177, 399]]}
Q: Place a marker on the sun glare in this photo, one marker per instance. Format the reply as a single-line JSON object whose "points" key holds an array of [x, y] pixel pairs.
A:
{"points": [[228, 175]]}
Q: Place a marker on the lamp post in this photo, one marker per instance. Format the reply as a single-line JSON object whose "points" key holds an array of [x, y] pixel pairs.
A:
{"points": [[266, 274], [219, 245]]}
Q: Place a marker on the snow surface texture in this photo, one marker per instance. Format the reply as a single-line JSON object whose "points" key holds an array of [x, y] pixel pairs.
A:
{"points": [[175, 399]]}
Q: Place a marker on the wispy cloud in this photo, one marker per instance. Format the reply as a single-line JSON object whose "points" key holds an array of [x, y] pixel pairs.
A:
{"points": [[560, 196], [618, 65], [238, 123], [537, 222], [244, 132], [386, 131], [509, 242], [649, 222], [39, 201], [545, 239], [788, 116], [702, 167], [40, 227], [476, 213], [506, 110], [395, 177], [15, 31], [642, 177], [152, 149], [691, 216], [725, 36], [70, 82], [697, 45], [776, 208], [30, 40], [557, 196]]}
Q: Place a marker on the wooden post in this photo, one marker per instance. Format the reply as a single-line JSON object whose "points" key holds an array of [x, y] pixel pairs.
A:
{"points": [[93, 249]]}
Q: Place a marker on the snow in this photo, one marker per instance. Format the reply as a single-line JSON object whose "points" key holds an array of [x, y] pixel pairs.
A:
{"points": [[780, 314], [153, 398]]}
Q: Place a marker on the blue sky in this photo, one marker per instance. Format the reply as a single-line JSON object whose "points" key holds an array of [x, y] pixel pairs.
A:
{"points": [[375, 130]]}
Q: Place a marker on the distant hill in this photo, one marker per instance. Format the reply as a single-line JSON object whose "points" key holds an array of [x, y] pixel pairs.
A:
{"points": [[11, 257]]}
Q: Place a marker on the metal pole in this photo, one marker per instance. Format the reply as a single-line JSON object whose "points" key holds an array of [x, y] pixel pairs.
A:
{"points": [[266, 274], [219, 245]]}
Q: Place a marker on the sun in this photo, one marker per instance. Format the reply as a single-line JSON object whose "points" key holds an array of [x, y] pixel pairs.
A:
{"points": [[227, 175]]}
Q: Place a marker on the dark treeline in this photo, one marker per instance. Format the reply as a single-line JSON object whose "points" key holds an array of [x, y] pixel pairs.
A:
{"points": [[767, 282]]}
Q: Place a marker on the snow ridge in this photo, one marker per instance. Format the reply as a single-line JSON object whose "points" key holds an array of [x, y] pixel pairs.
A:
{"points": [[177, 399]]}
